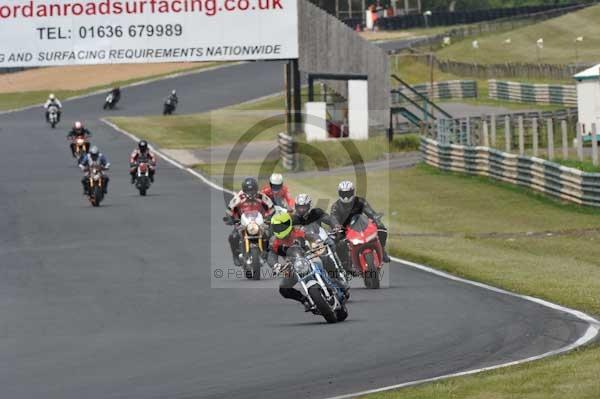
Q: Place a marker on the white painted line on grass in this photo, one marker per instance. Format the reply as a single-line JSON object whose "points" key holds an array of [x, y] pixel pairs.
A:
{"points": [[590, 334]]}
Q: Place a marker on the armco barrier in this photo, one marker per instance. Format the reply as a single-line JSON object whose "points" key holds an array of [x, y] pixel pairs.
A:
{"points": [[288, 151], [452, 89], [540, 175], [533, 93]]}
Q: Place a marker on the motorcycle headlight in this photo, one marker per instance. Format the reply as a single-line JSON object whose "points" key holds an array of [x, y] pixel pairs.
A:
{"points": [[96, 177], [302, 266], [80, 141], [253, 229]]}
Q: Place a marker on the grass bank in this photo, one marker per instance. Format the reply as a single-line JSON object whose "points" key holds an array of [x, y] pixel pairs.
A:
{"points": [[501, 235], [559, 36]]}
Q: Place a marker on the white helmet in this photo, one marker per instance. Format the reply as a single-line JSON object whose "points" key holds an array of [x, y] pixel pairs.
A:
{"points": [[174, 92], [51, 97], [346, 191], [78, 125], [276, 181], [303, 204]]}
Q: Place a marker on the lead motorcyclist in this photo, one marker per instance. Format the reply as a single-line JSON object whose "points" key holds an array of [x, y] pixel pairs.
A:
{"points": [[94, 157], [305, 215], [78, 130], [142, 153], [286, 235], [53, 101], [247, 200], [349, 205], [278, 192]]}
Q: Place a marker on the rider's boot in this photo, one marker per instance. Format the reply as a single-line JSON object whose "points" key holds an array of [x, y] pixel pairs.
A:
{"points": [[386, 257]]}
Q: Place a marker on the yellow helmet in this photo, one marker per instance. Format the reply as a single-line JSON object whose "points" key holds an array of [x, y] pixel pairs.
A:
{"points": [[281, 224]]}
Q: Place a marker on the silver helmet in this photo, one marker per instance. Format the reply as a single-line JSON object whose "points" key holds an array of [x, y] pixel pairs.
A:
{"points": [[303, 204], [346, 191]]}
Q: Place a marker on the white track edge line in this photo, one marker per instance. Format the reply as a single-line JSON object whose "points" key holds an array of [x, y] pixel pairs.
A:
{"points": [[590, 334], [134, 84]]}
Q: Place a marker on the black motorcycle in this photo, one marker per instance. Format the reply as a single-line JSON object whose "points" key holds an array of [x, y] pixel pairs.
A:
{"points": [[111, 101], [169, 106]]}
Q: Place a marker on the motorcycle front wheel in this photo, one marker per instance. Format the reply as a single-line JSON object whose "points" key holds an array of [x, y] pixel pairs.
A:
{"points": [[322, 305], [97, 195], [371, 276]]}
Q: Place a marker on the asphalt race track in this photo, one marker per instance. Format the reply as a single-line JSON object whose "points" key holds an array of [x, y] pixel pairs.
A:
{"points": [[116, 302]]}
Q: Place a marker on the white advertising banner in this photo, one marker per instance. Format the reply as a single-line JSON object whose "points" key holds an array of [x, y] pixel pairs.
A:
{"points": [[76, 32]]}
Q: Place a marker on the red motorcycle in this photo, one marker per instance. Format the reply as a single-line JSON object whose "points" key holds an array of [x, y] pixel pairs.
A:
{"points": [[365, 249]]}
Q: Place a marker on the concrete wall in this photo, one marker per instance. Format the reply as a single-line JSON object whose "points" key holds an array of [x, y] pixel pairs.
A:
{"points": [[329, 46]]}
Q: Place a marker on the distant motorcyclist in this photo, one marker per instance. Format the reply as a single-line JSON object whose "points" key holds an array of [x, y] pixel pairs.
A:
{"points": [[142, 153], [349, 205], [173, 97], [116, 93], [170, 103], [52, 101], [78, 131], [278, 192], [94, 157], [247, 200]]}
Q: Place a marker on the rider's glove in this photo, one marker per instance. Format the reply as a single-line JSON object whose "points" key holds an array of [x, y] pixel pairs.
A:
{"points": [[277, 268]]}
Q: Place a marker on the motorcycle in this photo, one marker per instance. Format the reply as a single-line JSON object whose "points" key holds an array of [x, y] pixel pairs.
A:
{"points": [[325, 297], [53, 115], [110, 102], [96, 185], [365, 250], [81, 146], [319, 237], [254, 243], [142, 180], [169, 106]]}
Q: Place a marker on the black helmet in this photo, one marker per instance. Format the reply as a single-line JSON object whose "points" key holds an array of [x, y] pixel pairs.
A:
{"points": [[250, 187], [143, 146]]}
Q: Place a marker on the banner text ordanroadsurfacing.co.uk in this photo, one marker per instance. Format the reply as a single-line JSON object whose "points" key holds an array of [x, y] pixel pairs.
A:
{"points": [[73, 32]]}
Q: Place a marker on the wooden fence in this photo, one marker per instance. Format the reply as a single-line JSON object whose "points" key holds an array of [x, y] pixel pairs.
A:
{"points": [[511, 70], [537, 174], [533, 93]]}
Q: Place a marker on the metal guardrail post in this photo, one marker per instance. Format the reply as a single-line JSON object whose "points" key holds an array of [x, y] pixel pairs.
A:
{"points": [[565, 139], [594, 144], [536, 138], [580, 141], [550, 133]]}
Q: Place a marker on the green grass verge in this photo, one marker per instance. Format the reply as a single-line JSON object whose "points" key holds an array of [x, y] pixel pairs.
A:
{"points": [[23, 99], [502, 235], [225, 126], [559, 36]]}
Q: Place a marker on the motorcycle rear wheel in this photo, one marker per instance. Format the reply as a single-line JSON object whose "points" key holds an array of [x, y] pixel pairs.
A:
{"points": [[322, 305]]}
